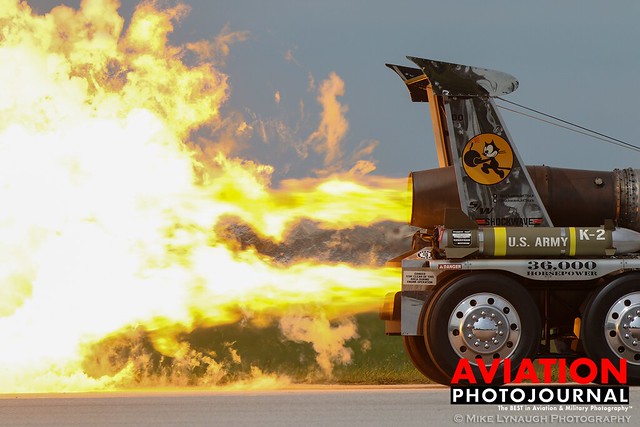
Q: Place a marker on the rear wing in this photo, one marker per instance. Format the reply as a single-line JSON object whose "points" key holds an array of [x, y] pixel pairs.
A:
{"points": [[494, 185]]}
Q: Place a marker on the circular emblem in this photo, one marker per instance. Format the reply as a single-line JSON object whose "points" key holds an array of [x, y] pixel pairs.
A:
{"points": [[424, 253], [487, 158]]}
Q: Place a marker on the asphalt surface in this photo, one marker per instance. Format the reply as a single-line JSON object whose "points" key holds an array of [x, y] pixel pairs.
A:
{"points": [[326, 406]]}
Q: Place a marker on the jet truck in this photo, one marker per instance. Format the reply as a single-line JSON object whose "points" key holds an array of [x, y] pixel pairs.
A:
{"points": [[510, 261]]}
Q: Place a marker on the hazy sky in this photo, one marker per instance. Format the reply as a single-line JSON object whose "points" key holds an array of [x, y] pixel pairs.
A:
{"points": [[575, 59]]}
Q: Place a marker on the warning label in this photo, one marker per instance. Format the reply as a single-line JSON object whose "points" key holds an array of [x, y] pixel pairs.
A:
{"points": [[461, 237], [417, 277]]}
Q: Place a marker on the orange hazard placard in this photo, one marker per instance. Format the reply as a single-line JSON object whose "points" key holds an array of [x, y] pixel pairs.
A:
{"points": [[487, 158]]}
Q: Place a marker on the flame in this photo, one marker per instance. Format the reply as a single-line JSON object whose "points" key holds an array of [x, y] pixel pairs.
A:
{"points": [[334, 125], [111, 210]]}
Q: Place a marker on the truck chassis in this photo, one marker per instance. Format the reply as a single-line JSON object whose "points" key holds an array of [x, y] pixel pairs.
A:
{"points": [[479, 291]]}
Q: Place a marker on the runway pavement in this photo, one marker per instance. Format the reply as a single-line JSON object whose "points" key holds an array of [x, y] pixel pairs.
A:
{"points": [[306, 406]]}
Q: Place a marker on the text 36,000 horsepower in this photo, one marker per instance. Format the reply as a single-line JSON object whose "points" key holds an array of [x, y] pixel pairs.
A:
{"points": [[562, 268]]}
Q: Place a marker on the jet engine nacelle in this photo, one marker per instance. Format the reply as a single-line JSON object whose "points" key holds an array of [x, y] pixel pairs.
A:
{"points": [[573, 197]]}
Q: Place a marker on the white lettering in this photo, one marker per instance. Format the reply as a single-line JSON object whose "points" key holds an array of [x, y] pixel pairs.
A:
{"points": [[549, 242]]}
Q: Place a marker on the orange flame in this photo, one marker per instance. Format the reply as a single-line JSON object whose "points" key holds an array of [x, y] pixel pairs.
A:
{"points": [[109, 211]]}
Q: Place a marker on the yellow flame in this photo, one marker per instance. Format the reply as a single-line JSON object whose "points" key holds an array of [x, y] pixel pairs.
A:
{"points": [[109, 211]]}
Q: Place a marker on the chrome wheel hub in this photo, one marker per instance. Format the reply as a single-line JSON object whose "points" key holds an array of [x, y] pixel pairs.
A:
{"points": [[622, 328], [484, 326]]}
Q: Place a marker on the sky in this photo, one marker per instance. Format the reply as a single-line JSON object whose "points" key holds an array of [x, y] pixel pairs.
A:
{"points": [[577, 60], [290, 64]]}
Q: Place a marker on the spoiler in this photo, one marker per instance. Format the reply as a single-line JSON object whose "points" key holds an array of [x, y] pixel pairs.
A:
{"points": [[450, 79]]}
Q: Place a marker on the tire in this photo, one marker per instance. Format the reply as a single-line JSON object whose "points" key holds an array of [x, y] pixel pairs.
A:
{"points": [[417, 351], [611, 324], [486, 315]]}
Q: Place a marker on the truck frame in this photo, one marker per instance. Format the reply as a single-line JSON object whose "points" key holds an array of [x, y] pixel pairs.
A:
{"points": [[510, 261]]}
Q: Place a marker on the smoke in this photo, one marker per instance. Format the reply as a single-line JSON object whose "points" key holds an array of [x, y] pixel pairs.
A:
{"points": [[217, 50], [328, 340], [329, 139], [366, 246], [131, 357]]}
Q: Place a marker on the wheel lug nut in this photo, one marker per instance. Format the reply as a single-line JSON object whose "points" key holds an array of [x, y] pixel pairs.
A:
{"points": [[474, 317], [470, 336], [469, 326], [500, 333], [483, 313], [477, 343], [486, 345], [499, 322], [634, 342], [494, 315], [626, 336]]}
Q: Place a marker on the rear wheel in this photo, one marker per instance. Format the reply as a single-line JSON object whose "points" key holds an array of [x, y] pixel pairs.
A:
{"points": [[611, 324], [416, 349], [481, 316]]}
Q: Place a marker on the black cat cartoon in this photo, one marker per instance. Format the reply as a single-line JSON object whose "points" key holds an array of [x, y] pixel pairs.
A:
{"points": [[490, 151]]}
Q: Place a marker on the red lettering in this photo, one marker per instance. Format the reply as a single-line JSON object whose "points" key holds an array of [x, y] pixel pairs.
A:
{"points": [[463, 372], [607, 367], [575, 366], [526, 372], [562, 371], [507, 370], [547, 364], [488, 376], [581, 371]]}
